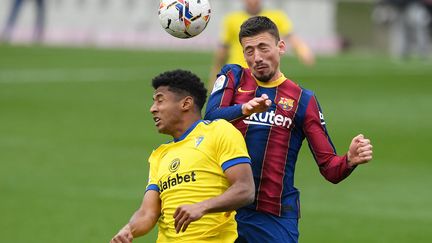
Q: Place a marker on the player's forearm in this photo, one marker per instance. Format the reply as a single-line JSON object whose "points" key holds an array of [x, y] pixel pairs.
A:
{"points": [[229, 113], [237, 195], [142, 222], [336, 169], [302, 50]]}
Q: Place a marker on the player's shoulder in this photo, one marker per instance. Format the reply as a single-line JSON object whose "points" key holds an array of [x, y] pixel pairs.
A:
{"points": [[232, 72], [293, 86], [306, 91], [217, 124], [214, 122], [232, 69], [235, 68], [307, 94], [158, 151]]}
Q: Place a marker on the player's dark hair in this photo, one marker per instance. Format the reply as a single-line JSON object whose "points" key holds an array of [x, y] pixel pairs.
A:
{"points": [[183, 83], [257, 25]]}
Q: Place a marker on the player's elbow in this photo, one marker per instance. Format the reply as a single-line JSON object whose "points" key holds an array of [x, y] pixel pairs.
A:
{"points": [[251, 197], [248, 194], [333, 179]]}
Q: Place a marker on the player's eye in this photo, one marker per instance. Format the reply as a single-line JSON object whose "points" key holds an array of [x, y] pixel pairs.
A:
{"points": [[264, 48]]}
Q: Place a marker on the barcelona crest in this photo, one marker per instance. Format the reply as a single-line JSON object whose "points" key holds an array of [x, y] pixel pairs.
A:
{"points": [[286, 104]]}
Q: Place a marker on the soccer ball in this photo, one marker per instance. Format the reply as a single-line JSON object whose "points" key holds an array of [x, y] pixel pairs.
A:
{"points": [[184, 18]]}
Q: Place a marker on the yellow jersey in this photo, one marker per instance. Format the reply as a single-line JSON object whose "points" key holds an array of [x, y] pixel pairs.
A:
{"points": [[191, 169], [231, 29]]}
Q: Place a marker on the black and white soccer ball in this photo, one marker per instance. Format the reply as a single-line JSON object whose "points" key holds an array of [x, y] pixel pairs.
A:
{"points": [[184, 18]]}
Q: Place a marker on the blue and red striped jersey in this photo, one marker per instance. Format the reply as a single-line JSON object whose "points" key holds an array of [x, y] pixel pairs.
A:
{"points": [[274, 137]]}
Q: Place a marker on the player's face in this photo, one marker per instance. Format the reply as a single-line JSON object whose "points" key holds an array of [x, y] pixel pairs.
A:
{"points": [[262, 54], [253, 7], [166, 110]]}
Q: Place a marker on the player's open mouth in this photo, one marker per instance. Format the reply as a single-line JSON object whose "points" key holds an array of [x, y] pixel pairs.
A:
{"points": [[156, 120]]}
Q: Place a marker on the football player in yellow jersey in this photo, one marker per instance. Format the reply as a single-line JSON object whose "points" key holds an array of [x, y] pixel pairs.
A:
{"points": [[230, 51], [197, 180]]}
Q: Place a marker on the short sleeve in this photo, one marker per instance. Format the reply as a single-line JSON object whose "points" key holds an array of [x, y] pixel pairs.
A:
{"points": [[231, 148], [152, 179]]}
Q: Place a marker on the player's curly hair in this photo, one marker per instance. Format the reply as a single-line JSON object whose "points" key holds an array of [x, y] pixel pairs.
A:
{"points": [[184, 83], [257, 25]]}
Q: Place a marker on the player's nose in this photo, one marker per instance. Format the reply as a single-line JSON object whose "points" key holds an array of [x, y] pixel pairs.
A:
{"points": [[153, 108], [257, 58]]}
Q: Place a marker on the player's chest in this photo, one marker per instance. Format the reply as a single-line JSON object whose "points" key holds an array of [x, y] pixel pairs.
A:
{"points": [[281, 114], [190, 155]]}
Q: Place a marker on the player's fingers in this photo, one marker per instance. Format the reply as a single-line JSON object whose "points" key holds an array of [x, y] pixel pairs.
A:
{"points": [[178, 216], [364, 159], [268, 103], [264, 96], [248, 106], [256, 99], [364, 141], [120, 239], [124, 239], [130, 237], [366, 153], [176, 212], [358, 138], [262, 101], [115, 239], [186, 224], [364, 148], [181, 222], [254, 102]]}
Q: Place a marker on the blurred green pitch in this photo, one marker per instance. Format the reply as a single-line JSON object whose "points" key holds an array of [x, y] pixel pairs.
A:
{"points": [[75, 134]]}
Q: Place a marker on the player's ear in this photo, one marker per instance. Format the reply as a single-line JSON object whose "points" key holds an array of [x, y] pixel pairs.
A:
{"points": [[188, 103], [282, 47]]}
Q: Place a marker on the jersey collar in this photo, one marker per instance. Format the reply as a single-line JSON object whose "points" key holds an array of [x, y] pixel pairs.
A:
{"points": [[272, 84], [189, 130]]}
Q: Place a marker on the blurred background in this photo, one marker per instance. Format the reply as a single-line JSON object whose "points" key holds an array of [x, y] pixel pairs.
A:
{"points": [[328, 26], [76, 132]]}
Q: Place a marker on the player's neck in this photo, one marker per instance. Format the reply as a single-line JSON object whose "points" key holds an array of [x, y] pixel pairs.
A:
{"points": [[274, 81], [254, 12], [276, 77], [185, 124]]}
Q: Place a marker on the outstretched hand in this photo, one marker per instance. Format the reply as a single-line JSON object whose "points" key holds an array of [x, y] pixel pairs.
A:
{"points": [[256, 105], [360, 151], [123, 236]]}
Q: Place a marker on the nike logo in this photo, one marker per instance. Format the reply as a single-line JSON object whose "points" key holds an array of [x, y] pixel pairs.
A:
{"points": [[244, 91]]}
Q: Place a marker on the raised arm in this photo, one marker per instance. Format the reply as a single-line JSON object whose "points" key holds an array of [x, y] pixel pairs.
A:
{"points": [[333, 167], [220, 104], [143, 220], [301, 49]]}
